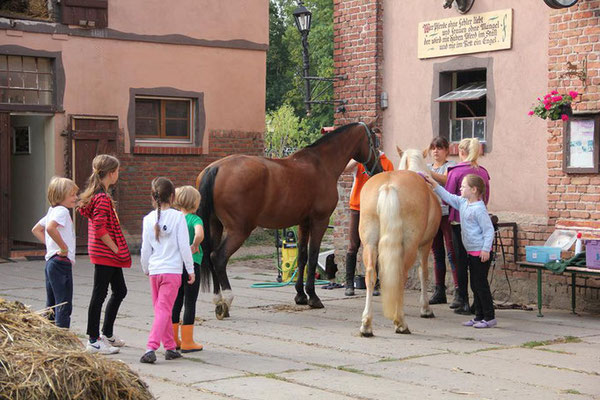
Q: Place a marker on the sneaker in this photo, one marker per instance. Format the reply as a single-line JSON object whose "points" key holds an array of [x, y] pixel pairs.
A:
{"points": [[470, 322], [486, 324], [172, 355], [113, 341], [149, 357], [101, 347]]}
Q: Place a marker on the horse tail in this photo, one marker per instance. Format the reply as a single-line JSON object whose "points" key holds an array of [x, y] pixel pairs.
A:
{"points": [[206, 211], [390, 249]]}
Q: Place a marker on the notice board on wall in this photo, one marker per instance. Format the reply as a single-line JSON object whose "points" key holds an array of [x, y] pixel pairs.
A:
{"points": [[580, 144], [466, 34]]}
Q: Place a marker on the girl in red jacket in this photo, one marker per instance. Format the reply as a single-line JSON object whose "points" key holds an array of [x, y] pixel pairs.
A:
{"points": [[108, 252]]}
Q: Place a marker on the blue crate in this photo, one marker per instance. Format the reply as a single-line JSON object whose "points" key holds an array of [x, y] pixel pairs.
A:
{"points": [[542, 254]]}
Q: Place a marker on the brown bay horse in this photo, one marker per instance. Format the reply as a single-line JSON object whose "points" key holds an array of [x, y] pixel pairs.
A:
{"points": [[399, 217], [242, 192]]}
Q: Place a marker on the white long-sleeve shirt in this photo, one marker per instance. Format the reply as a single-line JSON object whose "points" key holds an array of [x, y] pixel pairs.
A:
{"points": [[168, 254]]}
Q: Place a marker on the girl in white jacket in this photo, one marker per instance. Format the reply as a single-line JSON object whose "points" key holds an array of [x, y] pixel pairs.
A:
{"points": [[165, 249]]}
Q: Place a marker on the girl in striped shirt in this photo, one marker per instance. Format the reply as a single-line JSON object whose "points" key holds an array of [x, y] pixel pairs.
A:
{"points": [[108, 252]]}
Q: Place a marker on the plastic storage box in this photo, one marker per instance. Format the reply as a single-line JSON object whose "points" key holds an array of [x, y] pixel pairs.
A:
{"points": [[592, 253], [542, 254]]}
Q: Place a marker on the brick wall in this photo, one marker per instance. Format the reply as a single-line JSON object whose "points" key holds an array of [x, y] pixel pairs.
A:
{"points": [[357, 54], [138, 170]]}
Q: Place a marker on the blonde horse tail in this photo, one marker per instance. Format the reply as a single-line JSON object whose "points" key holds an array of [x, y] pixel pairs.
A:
{"points": [[390, 249]]}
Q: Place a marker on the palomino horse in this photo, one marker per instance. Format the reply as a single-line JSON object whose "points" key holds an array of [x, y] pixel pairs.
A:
{"points": [[399, 217], [242, 192]]}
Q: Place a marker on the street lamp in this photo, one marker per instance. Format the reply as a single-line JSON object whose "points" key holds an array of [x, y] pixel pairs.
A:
{"points": [[303, 18]]}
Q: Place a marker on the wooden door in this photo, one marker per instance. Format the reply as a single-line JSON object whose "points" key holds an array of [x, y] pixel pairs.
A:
{"points": [[90, 136], [5, 154]]}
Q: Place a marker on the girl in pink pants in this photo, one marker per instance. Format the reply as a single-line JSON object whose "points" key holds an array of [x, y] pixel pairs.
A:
{"points": [[165, 249]]}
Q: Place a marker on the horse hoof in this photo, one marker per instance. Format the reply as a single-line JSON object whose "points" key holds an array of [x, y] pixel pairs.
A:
{"points": [[428, 315], [301, 299], [221, 311], [403, 331], [315, 303], [364, 332]]}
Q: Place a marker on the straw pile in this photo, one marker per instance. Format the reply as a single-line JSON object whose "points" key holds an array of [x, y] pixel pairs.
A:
{"points": [[40, 361]]}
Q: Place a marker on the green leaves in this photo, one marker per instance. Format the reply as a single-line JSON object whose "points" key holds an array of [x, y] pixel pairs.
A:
{"points": [[285, 85]]}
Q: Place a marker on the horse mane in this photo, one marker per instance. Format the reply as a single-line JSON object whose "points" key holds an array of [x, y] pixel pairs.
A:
{"points": [[329, 136], [413, 160]]}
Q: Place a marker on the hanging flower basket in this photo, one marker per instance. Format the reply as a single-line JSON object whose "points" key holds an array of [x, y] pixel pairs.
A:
{"points": [[554, 106]]}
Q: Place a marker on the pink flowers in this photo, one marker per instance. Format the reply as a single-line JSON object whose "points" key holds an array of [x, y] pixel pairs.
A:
{"points": [[554, 106]]}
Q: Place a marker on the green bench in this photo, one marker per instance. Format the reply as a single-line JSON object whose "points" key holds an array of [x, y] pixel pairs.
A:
{"points": [[574, 271]]}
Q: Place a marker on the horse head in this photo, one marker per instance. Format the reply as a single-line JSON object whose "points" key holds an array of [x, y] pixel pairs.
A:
{"points": [[368, 151], [413, 160]]}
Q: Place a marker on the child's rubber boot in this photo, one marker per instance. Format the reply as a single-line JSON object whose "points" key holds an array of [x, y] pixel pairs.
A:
{"points": [[176, 335], [187, 339]]}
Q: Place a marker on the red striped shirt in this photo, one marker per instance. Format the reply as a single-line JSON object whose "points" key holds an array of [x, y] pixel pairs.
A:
{"points": [[103, 220]]}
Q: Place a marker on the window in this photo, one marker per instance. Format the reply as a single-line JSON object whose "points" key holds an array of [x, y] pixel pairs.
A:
{"points": [[163, 118], [467, 105], [26, 80], [88, 13]]}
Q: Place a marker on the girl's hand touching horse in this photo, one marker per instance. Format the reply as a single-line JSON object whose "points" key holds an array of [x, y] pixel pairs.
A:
{"points": [[429, 180]]}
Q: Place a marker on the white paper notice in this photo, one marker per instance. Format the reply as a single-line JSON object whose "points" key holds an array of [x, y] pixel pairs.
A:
{"points": [[582, 144]]}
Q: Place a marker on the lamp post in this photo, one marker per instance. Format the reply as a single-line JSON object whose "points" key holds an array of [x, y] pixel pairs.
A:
{"points": [[303, 18]]}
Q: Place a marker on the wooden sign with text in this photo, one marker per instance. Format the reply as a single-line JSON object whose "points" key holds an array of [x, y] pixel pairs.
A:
{"points": [[467, 34]]}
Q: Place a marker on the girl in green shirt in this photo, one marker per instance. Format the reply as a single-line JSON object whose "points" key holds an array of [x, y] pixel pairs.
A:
{"points": [[187, 200]]}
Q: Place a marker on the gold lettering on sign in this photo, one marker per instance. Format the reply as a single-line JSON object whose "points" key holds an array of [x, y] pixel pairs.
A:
{"points": [[467, 34]]}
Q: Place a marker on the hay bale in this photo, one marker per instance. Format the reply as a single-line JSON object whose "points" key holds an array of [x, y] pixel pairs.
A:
{"points": [[40, 361]]}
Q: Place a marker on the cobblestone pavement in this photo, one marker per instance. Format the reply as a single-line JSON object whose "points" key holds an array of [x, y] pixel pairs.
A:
{"points": [[272, 349]]}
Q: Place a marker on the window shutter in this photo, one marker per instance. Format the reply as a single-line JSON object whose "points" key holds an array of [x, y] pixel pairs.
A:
{"points": [[89, 13]]}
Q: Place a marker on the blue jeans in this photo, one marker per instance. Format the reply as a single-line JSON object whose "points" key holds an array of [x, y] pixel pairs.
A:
{"points": [[59, 289]]}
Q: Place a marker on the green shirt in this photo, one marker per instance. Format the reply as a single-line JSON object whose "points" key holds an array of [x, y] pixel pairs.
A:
{"points": [[192, 220]]}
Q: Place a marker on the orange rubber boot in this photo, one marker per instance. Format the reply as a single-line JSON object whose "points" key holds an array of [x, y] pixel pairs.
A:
{"points": [[176, 335], [187, 339]]}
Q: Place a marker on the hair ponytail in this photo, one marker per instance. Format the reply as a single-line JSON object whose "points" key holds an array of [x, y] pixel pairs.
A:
{"points": [[102, 165], [163, 191], [471, 148]]}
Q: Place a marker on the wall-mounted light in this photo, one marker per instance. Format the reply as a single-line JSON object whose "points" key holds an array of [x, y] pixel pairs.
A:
{"points": [[463, 6], [560, 3]]}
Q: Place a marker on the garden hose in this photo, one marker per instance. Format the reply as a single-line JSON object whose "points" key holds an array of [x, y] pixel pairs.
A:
{"points": [[288, 282]]}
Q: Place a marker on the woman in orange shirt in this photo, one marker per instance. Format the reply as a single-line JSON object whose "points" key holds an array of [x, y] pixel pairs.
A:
{"points": [[360, 178]]}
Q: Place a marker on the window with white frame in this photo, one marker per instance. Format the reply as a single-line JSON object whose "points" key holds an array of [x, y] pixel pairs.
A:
{"points": [[467, 102], [163, 119]]}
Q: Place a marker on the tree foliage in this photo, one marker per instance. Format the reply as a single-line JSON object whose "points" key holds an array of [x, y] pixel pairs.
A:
{"points": [[285, 86]]}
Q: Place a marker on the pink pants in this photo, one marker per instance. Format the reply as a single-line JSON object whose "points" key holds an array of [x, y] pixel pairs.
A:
{"points": [[164, 292]]}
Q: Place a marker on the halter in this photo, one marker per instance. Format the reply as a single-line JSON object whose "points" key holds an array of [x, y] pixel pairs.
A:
{"points": [[373, 146]]}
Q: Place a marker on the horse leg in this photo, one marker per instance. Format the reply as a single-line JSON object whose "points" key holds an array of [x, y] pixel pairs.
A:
{"points": [[424, 250], [370, 260], [317, 231], [408, 261], [232, 242], [301, 298]]}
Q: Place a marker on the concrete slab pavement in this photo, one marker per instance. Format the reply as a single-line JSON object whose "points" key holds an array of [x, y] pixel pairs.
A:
{"points": [[271, 348]]}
